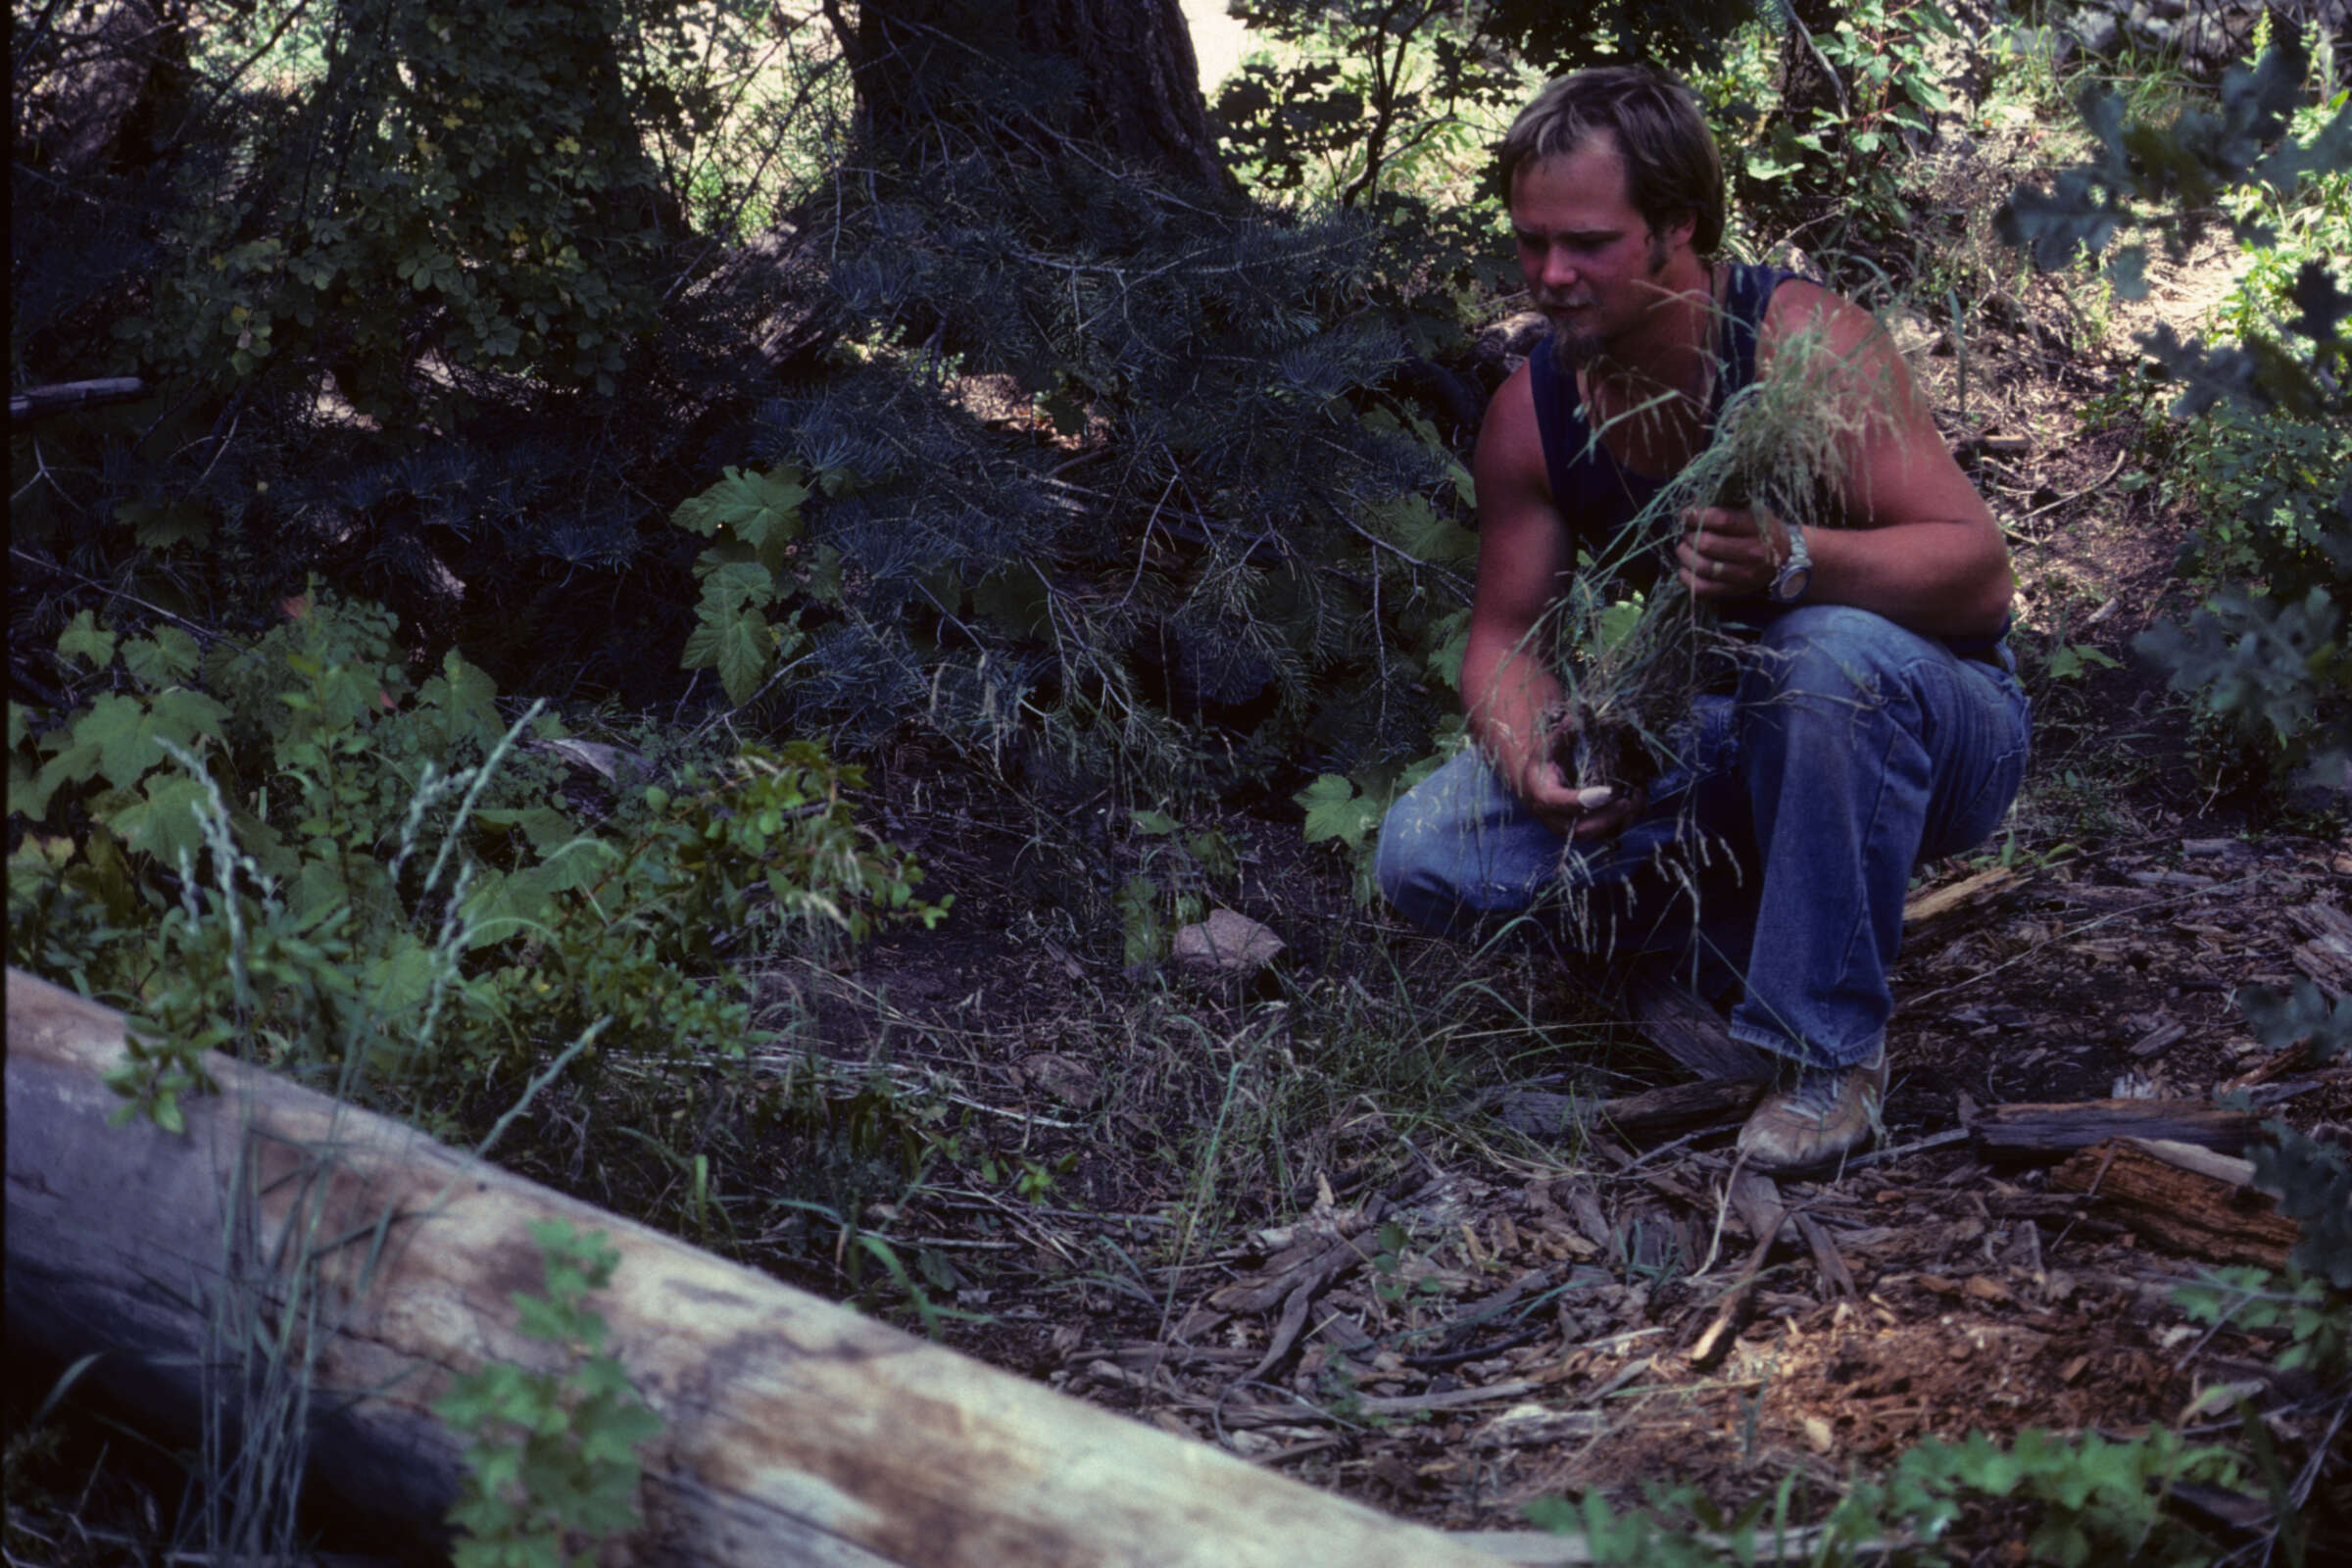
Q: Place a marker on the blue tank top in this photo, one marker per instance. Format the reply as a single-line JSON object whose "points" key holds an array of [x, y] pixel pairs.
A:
{"points": [[1598, 496]]}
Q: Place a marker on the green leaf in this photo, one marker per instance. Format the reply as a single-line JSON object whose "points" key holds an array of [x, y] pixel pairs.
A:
{"points": [[1156, 823], [164, 659], [82, 639], [1421, 531], [128, 733], [465, 699], [546, 828], [740, 645], [1449, 641], [731, 579], [1333, 810], [160, 526], [402, 980], [761, 510], [165, 820]]}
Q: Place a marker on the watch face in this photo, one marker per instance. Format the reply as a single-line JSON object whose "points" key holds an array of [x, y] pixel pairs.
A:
{"points": [[1791, 585]]}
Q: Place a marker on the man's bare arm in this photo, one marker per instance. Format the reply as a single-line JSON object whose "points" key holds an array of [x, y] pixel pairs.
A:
{"points": [[1920, 547], [1512, 698]]}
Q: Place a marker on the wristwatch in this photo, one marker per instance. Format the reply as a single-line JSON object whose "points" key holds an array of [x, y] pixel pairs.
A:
{"points": [[1796, 575]]}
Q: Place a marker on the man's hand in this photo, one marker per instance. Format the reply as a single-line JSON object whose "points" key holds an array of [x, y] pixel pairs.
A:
{"points": [[1730, 552], [1593, 812]]}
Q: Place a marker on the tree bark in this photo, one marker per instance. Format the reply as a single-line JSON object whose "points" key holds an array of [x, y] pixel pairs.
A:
{"points": [[915, 63], [793, 1431]]}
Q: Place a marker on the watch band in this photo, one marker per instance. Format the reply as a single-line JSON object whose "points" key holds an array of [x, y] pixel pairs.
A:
{"points": [[1796, 575]]}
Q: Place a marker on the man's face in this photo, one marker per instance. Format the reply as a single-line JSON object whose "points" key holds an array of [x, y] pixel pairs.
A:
{"points": [[1591, 261]]}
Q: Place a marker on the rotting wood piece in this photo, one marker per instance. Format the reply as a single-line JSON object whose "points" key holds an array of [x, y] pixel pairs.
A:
{"points": [[1678, 1108], [793, 1431], [2182, 1207], [2024, 1131]]}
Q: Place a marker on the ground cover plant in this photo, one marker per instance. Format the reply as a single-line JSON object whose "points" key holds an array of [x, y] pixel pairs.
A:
{"points": [[765, 638]]}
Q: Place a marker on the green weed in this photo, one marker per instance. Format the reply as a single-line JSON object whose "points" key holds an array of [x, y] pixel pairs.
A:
{"points": [[552, 1468]]}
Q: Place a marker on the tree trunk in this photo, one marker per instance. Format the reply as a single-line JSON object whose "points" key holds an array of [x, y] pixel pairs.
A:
{"points": [[100, 84], [793, 1431], [1807, 83], [1120, 74]]}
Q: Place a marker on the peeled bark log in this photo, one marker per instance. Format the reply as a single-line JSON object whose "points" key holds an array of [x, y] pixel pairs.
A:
{"points": [[793, 1431]]}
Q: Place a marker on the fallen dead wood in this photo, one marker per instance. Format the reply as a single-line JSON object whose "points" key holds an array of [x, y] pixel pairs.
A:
{"points": [[63, 397], [1693, 1034], [1678, 1108], [1649, 1118], [793, 1431], [1733, 1311], [1941, 910], [2025, 1131], [2184, 1199]]}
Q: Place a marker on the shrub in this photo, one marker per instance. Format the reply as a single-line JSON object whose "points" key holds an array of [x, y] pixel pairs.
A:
{"points": [[355, 842]]}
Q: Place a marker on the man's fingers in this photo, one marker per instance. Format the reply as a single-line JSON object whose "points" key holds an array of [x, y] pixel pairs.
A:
{"points": [[1608, 820]]}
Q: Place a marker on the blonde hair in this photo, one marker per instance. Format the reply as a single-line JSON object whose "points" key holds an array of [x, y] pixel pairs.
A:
{"points": [[1662, 141]]}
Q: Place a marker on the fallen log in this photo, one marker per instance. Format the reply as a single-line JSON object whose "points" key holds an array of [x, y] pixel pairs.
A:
{"points": [[1661, 1114], [63, 397], [793, 1431], [2184, 1199], [2023, 1131]]}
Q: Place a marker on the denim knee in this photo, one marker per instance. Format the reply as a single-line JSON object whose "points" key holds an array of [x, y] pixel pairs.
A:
{"points": [[1406, 858], [1831, 651]]}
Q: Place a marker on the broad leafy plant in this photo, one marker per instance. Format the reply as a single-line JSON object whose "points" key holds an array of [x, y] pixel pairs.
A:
{"points": [[376, 848]]}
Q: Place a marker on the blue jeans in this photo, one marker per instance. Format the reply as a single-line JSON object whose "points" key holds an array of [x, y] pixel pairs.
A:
{"points": [[1775, 849]]}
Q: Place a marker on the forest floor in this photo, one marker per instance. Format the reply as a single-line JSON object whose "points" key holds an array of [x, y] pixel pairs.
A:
{"points": [[1309, 1213]]}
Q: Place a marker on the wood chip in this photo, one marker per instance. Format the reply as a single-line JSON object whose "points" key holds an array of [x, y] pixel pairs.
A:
{"points": [[1835, 1274], [1985, 1288], [1756, 1198], [1322, 1262], [1714, 1340], [1940, 911]]}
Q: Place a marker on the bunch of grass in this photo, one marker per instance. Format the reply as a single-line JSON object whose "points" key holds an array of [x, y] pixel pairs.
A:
{"points": [[1630, 666]]}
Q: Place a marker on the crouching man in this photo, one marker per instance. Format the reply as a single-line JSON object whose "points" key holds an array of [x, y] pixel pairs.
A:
{"points": [[1871, 719]]}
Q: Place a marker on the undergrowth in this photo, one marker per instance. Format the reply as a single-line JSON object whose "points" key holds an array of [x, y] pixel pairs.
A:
{"points": [[371, 852]]}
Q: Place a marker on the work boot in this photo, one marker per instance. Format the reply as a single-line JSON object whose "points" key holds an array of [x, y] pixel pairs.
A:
{"points": [[1827, 1114]]}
